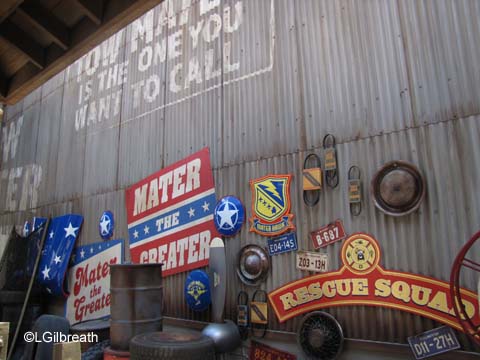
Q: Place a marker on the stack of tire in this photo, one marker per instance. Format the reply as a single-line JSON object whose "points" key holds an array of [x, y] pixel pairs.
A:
{"points": [[172, 345]]}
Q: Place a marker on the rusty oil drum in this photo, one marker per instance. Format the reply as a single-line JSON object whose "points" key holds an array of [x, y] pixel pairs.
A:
{"points": [[136, 302]]}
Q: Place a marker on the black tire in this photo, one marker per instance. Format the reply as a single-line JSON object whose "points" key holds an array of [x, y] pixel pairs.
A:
{"points": [[162, 345]]}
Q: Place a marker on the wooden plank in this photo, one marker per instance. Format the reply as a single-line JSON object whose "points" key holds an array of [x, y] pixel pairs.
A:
{"points": [[7, 7], [23, 42], [12, 59], [44, 20], [3, 84], [93, 9], [23, 77], [120, 14]]}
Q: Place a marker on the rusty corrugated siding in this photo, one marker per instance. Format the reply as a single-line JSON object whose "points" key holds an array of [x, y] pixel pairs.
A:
{"points": [[390, 79]]}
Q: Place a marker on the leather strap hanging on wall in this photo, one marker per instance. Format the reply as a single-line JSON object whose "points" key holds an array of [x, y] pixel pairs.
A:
{"points": [[355, 190], [259, 314], [242, 314], [312, 179], [331, 166]]}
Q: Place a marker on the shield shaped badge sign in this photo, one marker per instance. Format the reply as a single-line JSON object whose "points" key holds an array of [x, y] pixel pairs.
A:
{"points": [[271, 205]]}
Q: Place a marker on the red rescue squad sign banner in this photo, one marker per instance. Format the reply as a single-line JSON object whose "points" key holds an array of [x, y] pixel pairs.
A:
{"points": [[170, 215], [362, 281]]}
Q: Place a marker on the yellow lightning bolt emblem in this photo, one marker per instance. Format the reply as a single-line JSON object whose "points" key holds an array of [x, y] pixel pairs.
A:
{"points": [[270, 187], [271, 205]]}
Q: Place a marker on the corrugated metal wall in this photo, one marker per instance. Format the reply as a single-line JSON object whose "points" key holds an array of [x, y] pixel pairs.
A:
{"points": [[390, 79]]}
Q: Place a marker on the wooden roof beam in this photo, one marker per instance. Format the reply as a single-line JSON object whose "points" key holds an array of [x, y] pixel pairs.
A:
{"points": [[3, 85], [43, 19], [23, 42], [93, 9]]}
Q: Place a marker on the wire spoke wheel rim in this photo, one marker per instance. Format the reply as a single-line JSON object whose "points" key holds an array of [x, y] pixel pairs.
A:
{"points": [[320, 336]]}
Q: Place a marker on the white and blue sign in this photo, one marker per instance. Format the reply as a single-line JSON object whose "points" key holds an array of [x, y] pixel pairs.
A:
{"points": [[89, 280], [197, 290], [38, 222], [282, 244], [433, 342], [106, 225], [229, 215], [26, 229]]}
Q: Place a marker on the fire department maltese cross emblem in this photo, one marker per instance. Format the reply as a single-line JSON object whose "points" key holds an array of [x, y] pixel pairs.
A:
{"points": [[271, 205]]}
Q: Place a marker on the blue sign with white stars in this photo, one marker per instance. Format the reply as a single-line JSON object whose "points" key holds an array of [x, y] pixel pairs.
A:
{"points": [[62, 233], [229, 215], [106, 225], [38, 222]]}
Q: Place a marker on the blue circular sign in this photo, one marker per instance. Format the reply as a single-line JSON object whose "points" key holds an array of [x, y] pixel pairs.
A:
{"points": [[229, 215], [197, 290], [106, 225], [26, 229]]}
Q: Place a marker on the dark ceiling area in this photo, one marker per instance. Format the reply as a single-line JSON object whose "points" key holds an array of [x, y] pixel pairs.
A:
{"points": [[40, 38]]}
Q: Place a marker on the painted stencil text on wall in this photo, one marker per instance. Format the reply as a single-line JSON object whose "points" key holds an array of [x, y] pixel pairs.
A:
{"points": [[179, 50], [20, 182]]}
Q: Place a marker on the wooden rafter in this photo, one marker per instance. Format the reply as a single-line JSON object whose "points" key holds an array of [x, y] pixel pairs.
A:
{"points": [[23, 42], [43, 19]]}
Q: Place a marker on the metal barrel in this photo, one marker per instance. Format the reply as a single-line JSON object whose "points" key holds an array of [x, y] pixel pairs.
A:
{"points": [[136, 302]]}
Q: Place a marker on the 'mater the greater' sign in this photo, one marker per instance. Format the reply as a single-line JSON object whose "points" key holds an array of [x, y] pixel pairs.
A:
{"points": [[170, 215], [362, 281], [89, 280]]}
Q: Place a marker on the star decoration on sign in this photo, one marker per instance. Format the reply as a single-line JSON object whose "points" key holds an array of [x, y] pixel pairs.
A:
{"points": [[146, 229], [205, 206], [105, 225], [57, 259], [229, 215], [91, 250], [135, 234], [226, 214], [51, 234], [70, 230], [45, 273], [191, 212], [82, 254]]}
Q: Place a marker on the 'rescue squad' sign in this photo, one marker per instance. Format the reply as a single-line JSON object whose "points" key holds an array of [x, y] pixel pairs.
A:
{"points": [[170, 215], [362, 281]]}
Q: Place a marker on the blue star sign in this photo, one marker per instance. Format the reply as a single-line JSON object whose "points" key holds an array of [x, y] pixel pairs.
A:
{"points": [[229, 215], [106, 225]]}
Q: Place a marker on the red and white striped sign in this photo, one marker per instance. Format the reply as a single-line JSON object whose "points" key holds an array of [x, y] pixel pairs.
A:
{"points": [[170, 215]]}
